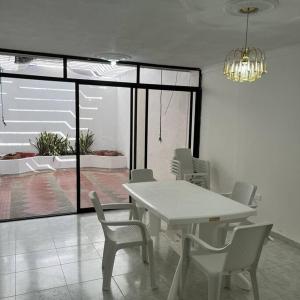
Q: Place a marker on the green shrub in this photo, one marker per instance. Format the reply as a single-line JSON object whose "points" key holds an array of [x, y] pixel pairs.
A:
{"points": [[86, 141], [51, 144]]}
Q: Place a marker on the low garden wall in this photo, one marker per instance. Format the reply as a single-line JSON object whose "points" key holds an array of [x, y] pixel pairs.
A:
{"points": [[44, 163]]}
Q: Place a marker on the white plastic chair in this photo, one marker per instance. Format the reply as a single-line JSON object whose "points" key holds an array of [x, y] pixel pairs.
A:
{"points": [[122, 234], [141, 175], [243, 193], [242, 254], [186, 167]]}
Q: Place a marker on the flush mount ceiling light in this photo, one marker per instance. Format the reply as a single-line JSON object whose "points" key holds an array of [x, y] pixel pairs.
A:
{"points": [[246, 64], [113, 58]]}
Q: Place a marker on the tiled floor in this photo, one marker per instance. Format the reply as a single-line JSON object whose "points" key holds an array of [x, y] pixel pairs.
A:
{"points": [[60, 258], [36, 194]]}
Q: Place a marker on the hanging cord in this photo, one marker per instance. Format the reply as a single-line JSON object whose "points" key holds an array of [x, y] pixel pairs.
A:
{"points": [[171, 94], [2, 103], [160, 108], [246, 40]]}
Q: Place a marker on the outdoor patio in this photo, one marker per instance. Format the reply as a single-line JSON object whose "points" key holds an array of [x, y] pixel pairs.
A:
{"points": [[44, 193]]}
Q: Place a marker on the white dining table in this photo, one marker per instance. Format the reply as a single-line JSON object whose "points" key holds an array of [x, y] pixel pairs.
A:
{"points": [[178, 202]]}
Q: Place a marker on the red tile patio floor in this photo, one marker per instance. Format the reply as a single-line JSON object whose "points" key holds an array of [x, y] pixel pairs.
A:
{"points": [[45, 193]]}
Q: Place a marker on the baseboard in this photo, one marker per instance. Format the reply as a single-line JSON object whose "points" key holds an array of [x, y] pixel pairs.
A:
{"points": [[285, 239]]}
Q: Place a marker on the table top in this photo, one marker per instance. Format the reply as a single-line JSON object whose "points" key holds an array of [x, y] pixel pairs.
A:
{"points": [[180, 202]]}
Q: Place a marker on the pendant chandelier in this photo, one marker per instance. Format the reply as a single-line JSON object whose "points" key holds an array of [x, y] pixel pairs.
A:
{"points": [[245, 64]]}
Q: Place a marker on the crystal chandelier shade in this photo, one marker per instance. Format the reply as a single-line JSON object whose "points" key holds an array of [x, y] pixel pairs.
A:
{"points": [[245, 64]]}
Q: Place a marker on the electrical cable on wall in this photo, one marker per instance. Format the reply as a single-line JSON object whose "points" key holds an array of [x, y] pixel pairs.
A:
{"points": [[1, 96], [160, 108], [172, 94]]}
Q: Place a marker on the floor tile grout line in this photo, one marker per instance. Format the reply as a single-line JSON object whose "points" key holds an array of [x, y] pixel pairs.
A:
{"points": [[15, 275], [113, 277], [65, 280], [56, 265], [37, 291]]}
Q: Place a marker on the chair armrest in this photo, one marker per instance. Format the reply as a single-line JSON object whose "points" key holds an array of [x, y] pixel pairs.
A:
{"points": [[130, 206], [140, 224], [228, 195], [118, 206], [204, 245], [253, 205]]}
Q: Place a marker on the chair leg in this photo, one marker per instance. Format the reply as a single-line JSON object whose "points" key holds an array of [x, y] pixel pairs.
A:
{"points": [[145, 254], [105, 252], [183, 275], [151, 264], [174, 291], [254, 284], [109, 264], [214, 286]]}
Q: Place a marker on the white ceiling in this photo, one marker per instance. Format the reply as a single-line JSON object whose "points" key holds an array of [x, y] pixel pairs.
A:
{"points": [[192, 33]]}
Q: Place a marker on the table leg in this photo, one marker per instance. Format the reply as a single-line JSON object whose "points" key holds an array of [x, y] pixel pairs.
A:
{"points": [[154, 227], [213, 233], [243, 282]]}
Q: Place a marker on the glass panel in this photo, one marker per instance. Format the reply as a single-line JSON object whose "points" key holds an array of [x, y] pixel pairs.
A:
{"points": [[174, 109], [105, 120], [38, 175], [30, 65], [169, 77], [101, 71], [140, 131]]}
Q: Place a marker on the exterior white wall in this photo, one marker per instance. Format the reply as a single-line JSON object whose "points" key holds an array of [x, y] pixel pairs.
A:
{"points": [[250, 132], [33, 106], [101, 114], [123, 122]]}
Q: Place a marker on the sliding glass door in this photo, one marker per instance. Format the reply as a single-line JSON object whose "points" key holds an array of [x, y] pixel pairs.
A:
{"points": [[104, 138], [37, 148]]}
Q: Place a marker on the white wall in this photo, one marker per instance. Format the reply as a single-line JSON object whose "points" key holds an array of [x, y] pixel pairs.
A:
{"points": [[174, 130], [251, 132], [101, 113], [123, 122], [33, 106]]}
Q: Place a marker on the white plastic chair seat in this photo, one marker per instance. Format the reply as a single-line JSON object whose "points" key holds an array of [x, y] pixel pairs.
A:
{"points": [[127, 234], [210, 263]]}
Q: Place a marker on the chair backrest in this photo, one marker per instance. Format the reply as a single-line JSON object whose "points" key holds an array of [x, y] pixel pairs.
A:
{"points": [[246, 246], [243, 192], [203, 166], [98, 207], [142, 175], [184, 155]]}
